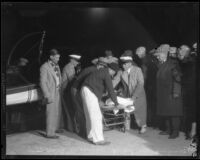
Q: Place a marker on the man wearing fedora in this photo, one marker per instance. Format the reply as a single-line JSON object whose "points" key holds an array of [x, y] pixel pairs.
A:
{"points": [[133, 80], [92, 91], [68, 76], [50, 82], [80, 125]]}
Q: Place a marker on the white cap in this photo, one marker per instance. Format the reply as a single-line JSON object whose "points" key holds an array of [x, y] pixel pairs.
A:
{"points": [[126, 58], [75, 56]]}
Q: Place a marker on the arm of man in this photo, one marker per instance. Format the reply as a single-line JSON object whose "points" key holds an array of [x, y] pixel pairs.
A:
{"points": [[44, 85], [64, 77], [117, 79], [140, 84], [109, 87]]}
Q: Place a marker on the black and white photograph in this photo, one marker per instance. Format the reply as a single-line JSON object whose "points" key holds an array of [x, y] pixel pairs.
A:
{"points": [[103, 79]]}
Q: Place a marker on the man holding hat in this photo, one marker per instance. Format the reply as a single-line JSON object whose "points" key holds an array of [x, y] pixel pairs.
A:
{"points": [[92, 91], [68, 75], [132, 78], [169, 96]]}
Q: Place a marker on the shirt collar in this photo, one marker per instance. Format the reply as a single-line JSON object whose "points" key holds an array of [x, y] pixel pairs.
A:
{"points": [[129, 70], [53, 64]]}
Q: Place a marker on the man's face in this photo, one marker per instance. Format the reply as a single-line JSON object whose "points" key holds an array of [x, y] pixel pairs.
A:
{"points": [[162, 57], [75, 62], [182, 53], [126, 66], [141, 52], [111, 72], [55, 58]]}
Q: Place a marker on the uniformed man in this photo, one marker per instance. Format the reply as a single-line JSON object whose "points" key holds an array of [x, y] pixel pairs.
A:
{"points": [[68, 76]]}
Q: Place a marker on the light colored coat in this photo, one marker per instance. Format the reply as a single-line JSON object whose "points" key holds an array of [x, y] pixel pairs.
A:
{"points": [[50, 91], [135, 83]]}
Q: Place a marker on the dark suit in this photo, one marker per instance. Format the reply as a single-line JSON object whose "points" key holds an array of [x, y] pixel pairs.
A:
{"points": [[80, 124]]}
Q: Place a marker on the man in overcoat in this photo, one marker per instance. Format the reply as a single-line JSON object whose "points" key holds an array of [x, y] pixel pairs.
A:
{"points": [[169, 97], [132, 78], [50, 82]]}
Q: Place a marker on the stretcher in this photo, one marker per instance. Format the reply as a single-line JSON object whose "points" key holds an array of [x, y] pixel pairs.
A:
{"points": [[117, 117], [112, 120]]}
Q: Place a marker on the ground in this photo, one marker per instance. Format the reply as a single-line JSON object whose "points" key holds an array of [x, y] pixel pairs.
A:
{"points": [[129, 143]]}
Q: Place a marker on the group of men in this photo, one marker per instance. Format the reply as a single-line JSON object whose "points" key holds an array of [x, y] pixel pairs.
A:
{"points": [[153, 81]]}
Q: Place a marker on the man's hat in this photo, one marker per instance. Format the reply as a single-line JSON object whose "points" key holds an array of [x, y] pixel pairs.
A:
{"points": [[114, 66], [75, 56], [163, 48], [95, 61], [141, 49], [127, 56], [102, 61], [112, 59]]}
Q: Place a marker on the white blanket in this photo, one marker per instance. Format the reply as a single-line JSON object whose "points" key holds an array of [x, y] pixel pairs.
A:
{"points": [[125, 103]]}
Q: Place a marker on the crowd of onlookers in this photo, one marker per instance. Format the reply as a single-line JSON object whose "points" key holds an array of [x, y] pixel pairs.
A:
{"points": [[161, 83]]}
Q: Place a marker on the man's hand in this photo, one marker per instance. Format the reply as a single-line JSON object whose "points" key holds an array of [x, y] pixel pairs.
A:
{"points": [[49, 100]]}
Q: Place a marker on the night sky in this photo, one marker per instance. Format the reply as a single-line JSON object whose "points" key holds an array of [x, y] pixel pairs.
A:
{"points": [[89, 30]]}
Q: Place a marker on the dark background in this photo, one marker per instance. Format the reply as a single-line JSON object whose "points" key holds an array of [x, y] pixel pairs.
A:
{"points": [[83, 28]]}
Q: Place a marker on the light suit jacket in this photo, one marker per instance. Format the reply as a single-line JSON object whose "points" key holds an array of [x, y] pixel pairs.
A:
{"points": [[135, 81], [48, 80], [135, 84]]}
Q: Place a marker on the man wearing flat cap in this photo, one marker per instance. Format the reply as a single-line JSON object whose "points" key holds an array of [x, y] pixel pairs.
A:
{"points": [[80, 126], [92, 90], [68, 76], [132, 78]]}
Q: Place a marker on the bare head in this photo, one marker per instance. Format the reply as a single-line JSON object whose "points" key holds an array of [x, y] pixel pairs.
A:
{"points": [[141, 52], [54, 56]]}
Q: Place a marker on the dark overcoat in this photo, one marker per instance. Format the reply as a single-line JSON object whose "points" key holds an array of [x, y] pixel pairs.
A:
{"points": [[168, 83]]}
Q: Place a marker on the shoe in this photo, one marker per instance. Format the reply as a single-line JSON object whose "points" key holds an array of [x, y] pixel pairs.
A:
{"points": [[164, 133], [102, 143], [52, 137], [60, 131], [142, 130]]}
